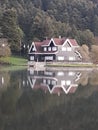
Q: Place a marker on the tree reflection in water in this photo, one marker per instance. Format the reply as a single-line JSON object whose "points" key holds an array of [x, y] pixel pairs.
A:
{"points": [[21, 107]]}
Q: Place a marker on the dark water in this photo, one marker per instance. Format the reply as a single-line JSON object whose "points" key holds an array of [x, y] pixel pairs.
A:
{"points": [[49, 100]]}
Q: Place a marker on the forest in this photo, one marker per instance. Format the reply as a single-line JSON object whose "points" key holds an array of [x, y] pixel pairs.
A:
{"points": [[24, 21]]}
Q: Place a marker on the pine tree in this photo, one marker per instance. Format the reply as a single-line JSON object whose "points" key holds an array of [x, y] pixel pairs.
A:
{"points": [[11, 30]]}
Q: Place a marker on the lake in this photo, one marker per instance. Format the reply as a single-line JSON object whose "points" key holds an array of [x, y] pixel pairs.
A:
{"points": [[50, 99]]}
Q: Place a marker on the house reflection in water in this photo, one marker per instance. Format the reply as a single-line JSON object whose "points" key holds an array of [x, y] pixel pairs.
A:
{"points": [[56, 82]]}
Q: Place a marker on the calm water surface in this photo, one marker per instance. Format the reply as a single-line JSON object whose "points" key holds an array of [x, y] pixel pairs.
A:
{"points": [[49, 100]]}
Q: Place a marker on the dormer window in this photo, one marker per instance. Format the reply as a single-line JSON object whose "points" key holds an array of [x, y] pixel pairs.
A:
{"points": [[45, 49], [49, 48], [54, 48]]}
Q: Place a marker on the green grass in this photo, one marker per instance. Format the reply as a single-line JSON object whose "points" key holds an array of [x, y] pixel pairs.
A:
{"points": [[71, 65], [12, 68], [17, 61]]}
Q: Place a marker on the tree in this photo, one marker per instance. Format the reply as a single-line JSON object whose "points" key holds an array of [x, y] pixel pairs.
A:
{"points": [[41, 26], [84, 51], [62, 29], [86, 37], [94, 54], [95, 25], [5, 51], [11, 29], [44, 18]]}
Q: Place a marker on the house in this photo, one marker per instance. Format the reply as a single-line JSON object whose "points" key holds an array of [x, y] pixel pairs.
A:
{"points": [[55, 49], [54, 82]]}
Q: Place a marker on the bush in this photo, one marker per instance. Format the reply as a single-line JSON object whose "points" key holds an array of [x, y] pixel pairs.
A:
{"points": [[5, 51]]}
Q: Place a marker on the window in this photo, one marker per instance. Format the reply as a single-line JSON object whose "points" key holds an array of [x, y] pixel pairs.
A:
{"points": [[44, 81], [53, 82], [45, 49], [23, 82], [60, 58], [49, 81], [48, 73], [60, 73], [49, 48], [71, 73], [49, 58], [63, 48], [68, 82], [69, 48], [33, 49], [63, 82], [54, 48], [71, 58], [31, 71], [31, 57]]}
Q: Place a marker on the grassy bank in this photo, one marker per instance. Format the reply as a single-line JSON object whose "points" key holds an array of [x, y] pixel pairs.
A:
{"points": [[71, 65], [16, 61]]}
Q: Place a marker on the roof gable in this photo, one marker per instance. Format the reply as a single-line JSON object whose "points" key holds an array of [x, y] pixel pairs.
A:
{"points": [[38, 46], [69, 88], [71, 42], [49, 42], [55, 41], [32, 81], [32, 48]]}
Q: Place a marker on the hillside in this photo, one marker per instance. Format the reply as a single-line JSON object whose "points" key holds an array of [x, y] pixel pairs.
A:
{"points": [[27, 20]]}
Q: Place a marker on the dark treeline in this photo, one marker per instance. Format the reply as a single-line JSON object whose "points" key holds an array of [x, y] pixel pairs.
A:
{"points": [[27, 20]]}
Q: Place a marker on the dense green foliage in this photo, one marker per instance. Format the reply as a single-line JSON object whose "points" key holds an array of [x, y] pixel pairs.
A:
{"points": [[24, 21]]}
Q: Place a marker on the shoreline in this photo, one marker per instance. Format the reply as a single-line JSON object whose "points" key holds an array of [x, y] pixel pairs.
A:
{"points": [[61, 64]]}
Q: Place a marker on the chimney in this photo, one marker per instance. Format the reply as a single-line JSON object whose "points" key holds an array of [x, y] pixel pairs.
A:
{"points": [[46, 38]]}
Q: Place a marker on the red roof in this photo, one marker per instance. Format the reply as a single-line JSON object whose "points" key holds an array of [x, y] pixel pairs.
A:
{"points": [[38, 46], [72, 89], [57, 90], [57, 41], [73, 42], [40, 86], [45, 42]]}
